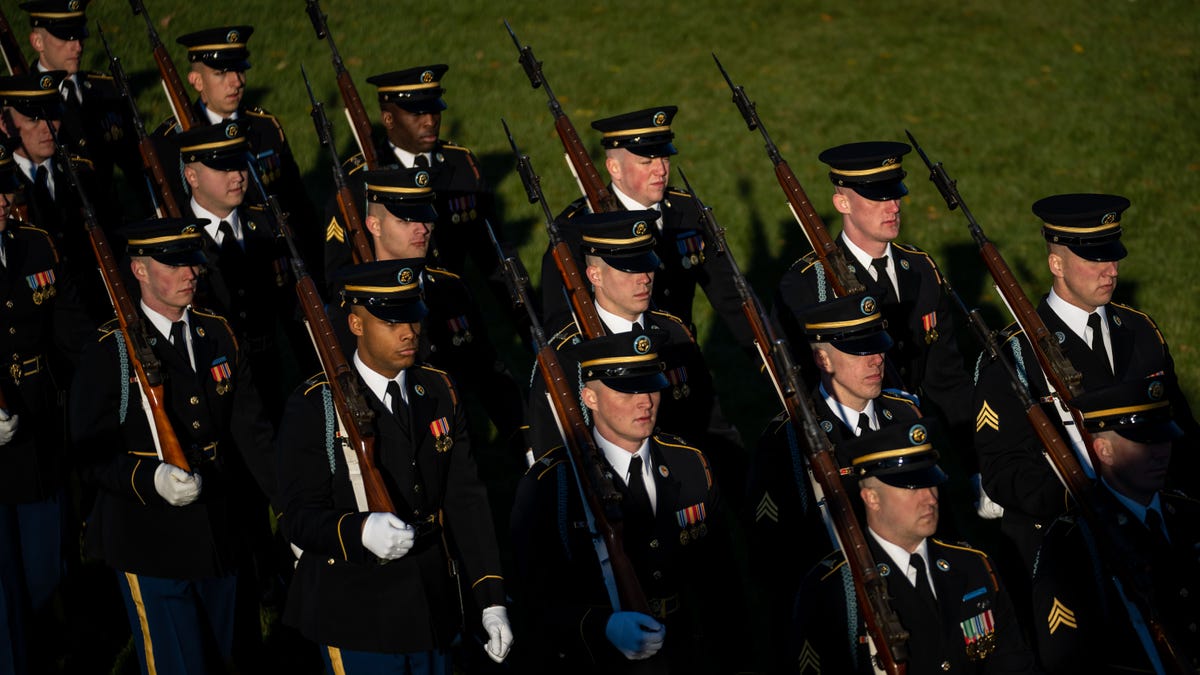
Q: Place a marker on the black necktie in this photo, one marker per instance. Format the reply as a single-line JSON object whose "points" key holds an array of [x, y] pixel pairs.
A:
{"points": [[41, 186], [1158, 533], [884, 281], [639, 500], [421, 161], [68, 92], [1098, 340], [924, 590], [229, 243], [864, 424], [179, 339], [399, 407]]}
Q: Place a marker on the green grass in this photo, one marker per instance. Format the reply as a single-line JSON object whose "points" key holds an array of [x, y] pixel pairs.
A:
{"points": [[1020, 100]]}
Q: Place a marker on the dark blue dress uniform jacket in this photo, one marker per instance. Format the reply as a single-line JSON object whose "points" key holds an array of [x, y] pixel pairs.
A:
{"points": [[131, 527], [341, 595]]}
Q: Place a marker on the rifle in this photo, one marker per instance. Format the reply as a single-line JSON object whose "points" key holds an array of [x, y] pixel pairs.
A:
{"points": [[1116, 551], [831, 257], [883, 625], [1061, 374], [599, 197], [359, 246], [355, 416], [146, 365], [577, 291], [177, 96], [356, 114], [10, 48], [160, 189], [595, 480]]}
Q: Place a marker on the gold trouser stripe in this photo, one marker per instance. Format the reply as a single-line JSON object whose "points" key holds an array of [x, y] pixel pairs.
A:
{"points": [[135, 591], [335, 660]]}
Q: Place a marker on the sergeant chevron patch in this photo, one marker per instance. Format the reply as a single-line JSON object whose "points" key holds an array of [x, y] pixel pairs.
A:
{"points": [[809, 660], [987, 418], [766, 509], [1060, 616], [335, 231]]}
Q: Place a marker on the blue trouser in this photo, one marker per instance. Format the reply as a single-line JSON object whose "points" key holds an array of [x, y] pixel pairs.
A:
{"points": [[179, 625], [347, 662], [31, 567]]}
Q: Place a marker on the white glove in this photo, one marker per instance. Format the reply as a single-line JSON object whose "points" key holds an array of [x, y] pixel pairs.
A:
{"points": [[500, 637], [984, 506], [388, 537], [176, 486], [636, 635], [8, 427]]}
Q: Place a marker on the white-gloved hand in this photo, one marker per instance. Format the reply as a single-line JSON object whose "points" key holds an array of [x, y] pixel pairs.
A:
{"points": [[984, 506], [635, 635], [388, 537], [500, 637], [176, 486], [8, 427]]}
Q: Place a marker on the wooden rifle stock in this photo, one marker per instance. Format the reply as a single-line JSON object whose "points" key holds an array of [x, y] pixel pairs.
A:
{"points": [[349, 400], [599, 493], [577, 289], [1059, 371], [160, 188], [360, 247], [881, 620], [356, 113], [1115, 551], [10, 48], [145, 363], [599, 197], [832, 259], [177, 95]]}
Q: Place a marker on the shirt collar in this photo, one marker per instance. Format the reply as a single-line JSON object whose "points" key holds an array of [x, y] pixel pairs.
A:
{"points": [[1138, 510], [864, 259], [617, 324], [631, 204], [408, 159], [214, 118], [899, 556], [27, 166], [162, 324], [1075, 317], [848, 415], [377, 383], [619, 458], [214, 222]]}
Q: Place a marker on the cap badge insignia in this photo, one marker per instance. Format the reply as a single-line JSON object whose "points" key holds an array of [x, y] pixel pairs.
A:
{"points": [[1058, 335], [231, 130], [405, 276], [917, 434], [663, 470], [1116, 319], [73, 6], [889, 161], [1109, 219], [427, 76], [904, 265], [884, 569], [641, 344], [46, 82], [188, 229], [867, 306], [943, 565], [1156, 390], [419, 389], [660, 118], [826, 426], [887, 414], [232, 36], [639, 228], [421, 179]]}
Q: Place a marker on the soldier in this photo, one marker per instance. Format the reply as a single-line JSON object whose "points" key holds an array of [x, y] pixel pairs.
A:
{"points": [[247, 272], [947, 596], [622, 267], [1086, 621], [671, 532], [637, 156], [95, 124], [1105, 341], [410, 107], [43, 336], [869, 184], [398, 617], [170, 535], [848, 340], [400, 218]]}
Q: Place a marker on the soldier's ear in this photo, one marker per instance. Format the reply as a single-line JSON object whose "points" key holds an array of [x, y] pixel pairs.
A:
{"points": [[355, 322], [1105, 452], [841, 202], [138, 267], [388, 119], [37, 41], [1055, 262], [822, 361], [190, 177], [196, 80], [589, 397], [374, 225], [592, 272], [613, 167]]}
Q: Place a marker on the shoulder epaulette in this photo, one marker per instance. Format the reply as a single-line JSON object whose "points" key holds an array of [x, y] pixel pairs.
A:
{"points": [[445, 378], [565, 335], [81, 161], [1147, 317], [574, 210], [442, 272], [832, 563], [677, 320], [315, 382], [26, 227], [913, 250], [550, 459], [259, 112], [354, 163], [673, 441], [903, 396], [97, 75], [108, 328], [805, 263], [960, 546], [678, 192], [209, 314], [450, 145]]}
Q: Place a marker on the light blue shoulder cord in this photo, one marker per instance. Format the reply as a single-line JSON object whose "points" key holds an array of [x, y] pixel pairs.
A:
{"points": [[123, 356], [330, 427], [822, 289], [851, 612], [798, 467]]}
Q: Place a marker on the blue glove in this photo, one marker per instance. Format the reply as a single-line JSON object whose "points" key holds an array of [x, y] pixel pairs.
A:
{"points": [[635, 635]]}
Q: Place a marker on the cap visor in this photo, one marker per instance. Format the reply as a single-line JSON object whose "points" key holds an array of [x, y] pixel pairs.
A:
{"points": [[1106, 252], [236, 65], [882, 192], [418, 213], [876, 342], [181, 258], [53, 111], [634, 264], [424, 107], [640, 384], [653, 149], [930, 476], [68, 32], [230, 163], [1149, 435], [406, 312]]}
